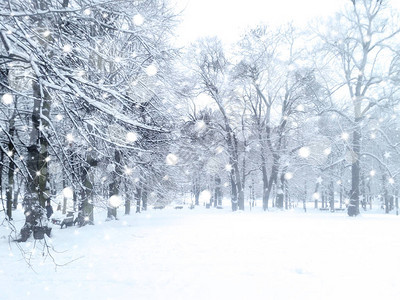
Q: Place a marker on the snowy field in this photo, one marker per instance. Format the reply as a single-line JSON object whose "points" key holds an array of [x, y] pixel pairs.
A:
{"points": [[213, 254]]}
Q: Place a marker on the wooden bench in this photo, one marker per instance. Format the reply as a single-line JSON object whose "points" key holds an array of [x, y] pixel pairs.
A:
{"points": [[159, 207], [68, 220]]}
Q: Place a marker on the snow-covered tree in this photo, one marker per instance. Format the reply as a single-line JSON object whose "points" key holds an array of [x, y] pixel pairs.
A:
{"points": [[91, 66], [280, 91], [212, 69], [362, 40]]}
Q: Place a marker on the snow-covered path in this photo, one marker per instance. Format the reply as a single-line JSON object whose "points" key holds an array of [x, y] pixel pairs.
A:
{"points": [[215, 254]]}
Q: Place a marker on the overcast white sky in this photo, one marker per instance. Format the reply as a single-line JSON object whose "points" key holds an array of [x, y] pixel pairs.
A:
{"points": [[228, 18]]}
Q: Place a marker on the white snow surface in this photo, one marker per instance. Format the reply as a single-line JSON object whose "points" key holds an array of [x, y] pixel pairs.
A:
{"points": [[211, 254]]}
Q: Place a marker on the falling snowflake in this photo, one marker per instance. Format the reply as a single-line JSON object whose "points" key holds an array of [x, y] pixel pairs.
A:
{"points": [[200, 125], [46, 33], [171, 159], [228, 167], [7, 99], [115, 201], [80, 73], [372, 173], [131, 137], [128, 171], [327, 151], [67, 48], [138, 20], [151, 70], [59, 117], [110, 168], [316, 196], [219, 150], [70, 137], [68, 193], [288, 175], [345, 136], [304, 152], [87, 12]]}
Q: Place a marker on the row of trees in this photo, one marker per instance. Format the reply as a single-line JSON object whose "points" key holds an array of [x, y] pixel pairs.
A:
{"points": [[308, 114]]}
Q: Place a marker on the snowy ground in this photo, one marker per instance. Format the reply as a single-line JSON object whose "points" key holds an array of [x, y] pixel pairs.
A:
{"points": [[213, 254]]}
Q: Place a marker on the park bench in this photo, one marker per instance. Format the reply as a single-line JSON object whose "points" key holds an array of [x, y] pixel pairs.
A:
{"points": [[68, 220], [158, 207]]}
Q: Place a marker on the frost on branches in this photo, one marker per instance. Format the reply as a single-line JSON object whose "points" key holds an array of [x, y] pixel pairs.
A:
{"points": [[82, 85]]}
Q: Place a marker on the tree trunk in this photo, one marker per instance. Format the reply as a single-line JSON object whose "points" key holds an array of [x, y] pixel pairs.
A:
{"points": [[37, 187], [16, 192], [385, 194], [234, 196], [114, 186], [286, 193], [128, 199], [64, 207], [354, 205], [87, 199], [217, 191], [279, 198], [11, 169], [266, 188], [138, 196], [316, 198], [128, 205], [196, 191], [144, 198], [273, 179], [240, 189]]}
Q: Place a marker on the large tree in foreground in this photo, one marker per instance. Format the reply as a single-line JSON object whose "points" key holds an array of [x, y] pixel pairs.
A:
{"points": [[94, 65]]}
